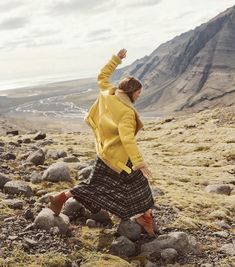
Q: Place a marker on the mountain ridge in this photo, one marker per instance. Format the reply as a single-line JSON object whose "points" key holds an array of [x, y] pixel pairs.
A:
{"points": [[191, 72]]}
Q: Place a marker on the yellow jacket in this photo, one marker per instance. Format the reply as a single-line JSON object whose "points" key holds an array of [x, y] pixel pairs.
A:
{"points": [[115, 122]]}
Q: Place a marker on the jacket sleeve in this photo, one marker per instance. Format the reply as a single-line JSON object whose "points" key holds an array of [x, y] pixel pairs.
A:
{"points": [[106, 72], [126, 129]]}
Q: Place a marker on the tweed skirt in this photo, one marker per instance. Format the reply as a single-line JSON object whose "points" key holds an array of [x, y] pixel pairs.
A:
{"points": [[123, 195]]}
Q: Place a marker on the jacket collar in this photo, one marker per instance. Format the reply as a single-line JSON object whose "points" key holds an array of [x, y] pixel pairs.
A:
{"points": [[123, 97]]}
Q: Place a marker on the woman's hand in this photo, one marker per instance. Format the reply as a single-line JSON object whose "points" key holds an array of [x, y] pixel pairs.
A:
{"points": [[146, 172], [122, 53]]}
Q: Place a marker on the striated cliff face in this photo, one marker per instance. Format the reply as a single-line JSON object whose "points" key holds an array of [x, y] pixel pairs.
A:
{"points": [[191, 72]]}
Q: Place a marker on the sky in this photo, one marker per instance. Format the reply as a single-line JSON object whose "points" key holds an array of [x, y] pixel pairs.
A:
{"points": [[74, 38]]}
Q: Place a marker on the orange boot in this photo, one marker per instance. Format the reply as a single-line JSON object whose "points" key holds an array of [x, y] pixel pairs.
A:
{"points": [[57, 202], [146, 221]]}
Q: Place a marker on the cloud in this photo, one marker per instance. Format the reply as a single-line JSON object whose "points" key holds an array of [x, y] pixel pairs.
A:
{"points": [[13, 23], [80, 6], [144, 3], [99, 32], [8, 6]]}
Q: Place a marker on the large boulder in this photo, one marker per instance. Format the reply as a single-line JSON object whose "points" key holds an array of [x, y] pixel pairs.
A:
{"points": [[18, 188], [123, 247], [176, 240], [3, 180], [73, 209], [57, 172], [37, 157], [130, 229], [39, 136], [47, 220]]}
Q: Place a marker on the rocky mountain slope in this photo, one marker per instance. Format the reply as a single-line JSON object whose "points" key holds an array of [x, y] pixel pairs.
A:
{"points": [[191, 72], [192, 158]]}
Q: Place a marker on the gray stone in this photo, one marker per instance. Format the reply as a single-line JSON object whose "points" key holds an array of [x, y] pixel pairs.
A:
{"points": [[130, 229], [150, 264], [37, 157], [80, 165], [219, 189], [102, 216], [221, 234], [123, 247], [30, 242], [177, 240], [90, 223], [169, 255], [14, 203], [35, 177], [70, 159], [3, 180], [46, 220], [57, 172], [156, 191], [18, 188], [39, 136], [84, 173], [229, 249], [73, 209], [194, 246], [56, 154]]}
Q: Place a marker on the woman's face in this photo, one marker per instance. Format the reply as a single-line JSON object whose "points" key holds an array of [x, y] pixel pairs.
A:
{"points": [[136, 95]]}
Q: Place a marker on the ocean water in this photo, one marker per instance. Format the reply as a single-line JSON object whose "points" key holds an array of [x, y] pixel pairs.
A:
{"points": [[7, 84]]}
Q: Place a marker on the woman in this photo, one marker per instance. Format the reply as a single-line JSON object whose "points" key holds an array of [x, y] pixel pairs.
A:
{"points": [[118, 180]]}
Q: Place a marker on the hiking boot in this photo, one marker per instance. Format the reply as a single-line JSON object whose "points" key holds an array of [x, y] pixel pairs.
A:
{"points": [[57, 202], [146, 221]]}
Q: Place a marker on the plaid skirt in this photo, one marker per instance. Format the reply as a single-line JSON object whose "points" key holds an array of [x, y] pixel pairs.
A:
{"points": [[123, 195]]}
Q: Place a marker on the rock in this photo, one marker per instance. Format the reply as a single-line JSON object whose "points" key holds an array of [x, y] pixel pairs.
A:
{"points": [[2, 144], [28, 214], [35, 178], [26, 141], [90, 223], [56, 154], [46, 220], [177, 240], [14, 203], [102, 216], [9, 156], [14, 132], [149, 264], [18, 188], [229, 249], [156, 191], [37, 157], [73, 209], [57, 172], [70, 159], [222, 224], [39, 136], [85, 173], [3, 180], [130, 229], [219, 189], [221, 234], [169, 255], [3, 196], [30, 242], [194, 245], [80, 165], [92, 162], [123, 247]]}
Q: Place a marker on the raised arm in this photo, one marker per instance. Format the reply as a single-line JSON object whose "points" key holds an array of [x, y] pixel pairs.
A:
{"points": [[108, 69]]}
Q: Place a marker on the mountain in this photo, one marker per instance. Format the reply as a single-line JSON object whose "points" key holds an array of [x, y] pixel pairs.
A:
{"points": [[191, 72]]}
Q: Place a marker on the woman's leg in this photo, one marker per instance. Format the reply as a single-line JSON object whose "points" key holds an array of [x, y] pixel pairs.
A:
{"points": [[56, 202]]}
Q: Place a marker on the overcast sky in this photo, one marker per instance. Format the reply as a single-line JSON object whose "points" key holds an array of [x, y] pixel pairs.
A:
{"points": [[76, 37]]}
